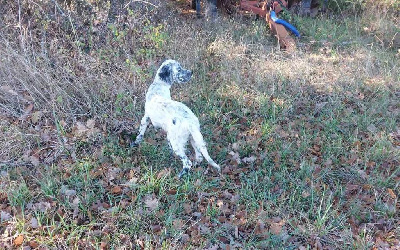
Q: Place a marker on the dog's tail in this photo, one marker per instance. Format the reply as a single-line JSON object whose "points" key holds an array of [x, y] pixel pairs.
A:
{"points": [[201, 146]]}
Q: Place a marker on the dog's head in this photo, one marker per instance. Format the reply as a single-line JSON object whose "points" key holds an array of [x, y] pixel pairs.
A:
{"points": [[172, 72]]}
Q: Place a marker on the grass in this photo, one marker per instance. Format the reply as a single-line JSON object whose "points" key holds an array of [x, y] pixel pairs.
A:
{"points": [[308, 142]]}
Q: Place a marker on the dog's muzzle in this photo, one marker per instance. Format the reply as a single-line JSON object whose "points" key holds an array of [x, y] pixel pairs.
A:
{"points": [[185, 77]]}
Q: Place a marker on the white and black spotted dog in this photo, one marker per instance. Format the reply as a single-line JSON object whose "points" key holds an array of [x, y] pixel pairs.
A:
{"points": [[173, 117]]}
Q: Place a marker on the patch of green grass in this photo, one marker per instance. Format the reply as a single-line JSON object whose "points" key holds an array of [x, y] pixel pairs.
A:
{"points": [[19, 194]]}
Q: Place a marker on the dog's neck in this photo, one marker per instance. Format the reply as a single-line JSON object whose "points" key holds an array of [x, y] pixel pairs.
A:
{"points": [[158, 88]]}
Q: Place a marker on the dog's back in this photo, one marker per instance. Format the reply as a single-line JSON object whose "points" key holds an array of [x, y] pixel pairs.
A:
{"points": [[168, 114]]}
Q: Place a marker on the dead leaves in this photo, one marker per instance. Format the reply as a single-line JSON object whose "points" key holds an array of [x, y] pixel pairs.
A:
{"points": [[236, 160], [34, 223], [276, 225], [178, 224], [33, 244], [34, 160], [85, 131], [391, 193], [19, 240], [187, 207], [116, 190], [27, 111], [151, 202], [5, 216], [42, 206]]}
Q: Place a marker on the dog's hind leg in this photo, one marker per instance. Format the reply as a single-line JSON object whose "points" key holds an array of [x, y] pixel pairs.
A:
{"points": [[198, 155], [142, 129], [201, 146], [178, 146]]}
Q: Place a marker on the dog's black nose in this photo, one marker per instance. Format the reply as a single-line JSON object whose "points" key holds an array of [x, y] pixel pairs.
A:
{"points": [[189, 73]]}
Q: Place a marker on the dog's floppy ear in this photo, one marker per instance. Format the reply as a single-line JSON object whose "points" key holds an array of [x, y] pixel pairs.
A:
{"points": [[165, 74]]}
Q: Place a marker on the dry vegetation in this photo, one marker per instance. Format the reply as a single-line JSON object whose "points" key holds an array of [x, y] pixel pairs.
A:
{"points": [[309, 142]]}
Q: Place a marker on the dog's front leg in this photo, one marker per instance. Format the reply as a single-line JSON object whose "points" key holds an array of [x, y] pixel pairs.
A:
{"points": [[142, 129]]}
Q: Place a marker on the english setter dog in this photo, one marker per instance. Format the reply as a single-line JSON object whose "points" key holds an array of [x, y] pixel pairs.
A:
{"points": [[173, 117]]}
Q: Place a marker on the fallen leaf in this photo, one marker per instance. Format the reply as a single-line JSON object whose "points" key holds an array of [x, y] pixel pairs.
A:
{"points": [[8, 89], [34, 160], [151, 203], [70, 192], [197, 183], [33, 244], [164, 173], [226, 170], [116, 190], [35, 117], [113, 173], [224, 240], [328, 162], [39, 206], [391, 193], [235, 146], [90, 123], [178, 224], [250, 159], [275, 228], [204, 229], [171, 191], [371, 128], [27, 112], [197, 214], [45, 137], [4, 216], [76, 202], [221, 219], [235, 156], [131, 182], [241, 214], [103, 245], [185, 238], [34, 223], [155, 228], [362, 174], [305, 194], [227, 195], [215, 247], [188, 208], [318, 107], [80, 129], [235, 198], [3, 173], [19, 240]]}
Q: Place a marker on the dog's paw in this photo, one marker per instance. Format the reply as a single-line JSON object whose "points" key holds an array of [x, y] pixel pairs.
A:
{"points": [[217, 168], [184, 172], [134, 144]]}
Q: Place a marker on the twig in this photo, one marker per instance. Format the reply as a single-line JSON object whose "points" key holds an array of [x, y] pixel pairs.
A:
{"points": [[58, 7], [20, 27], [181, 233], [19, 14]]}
